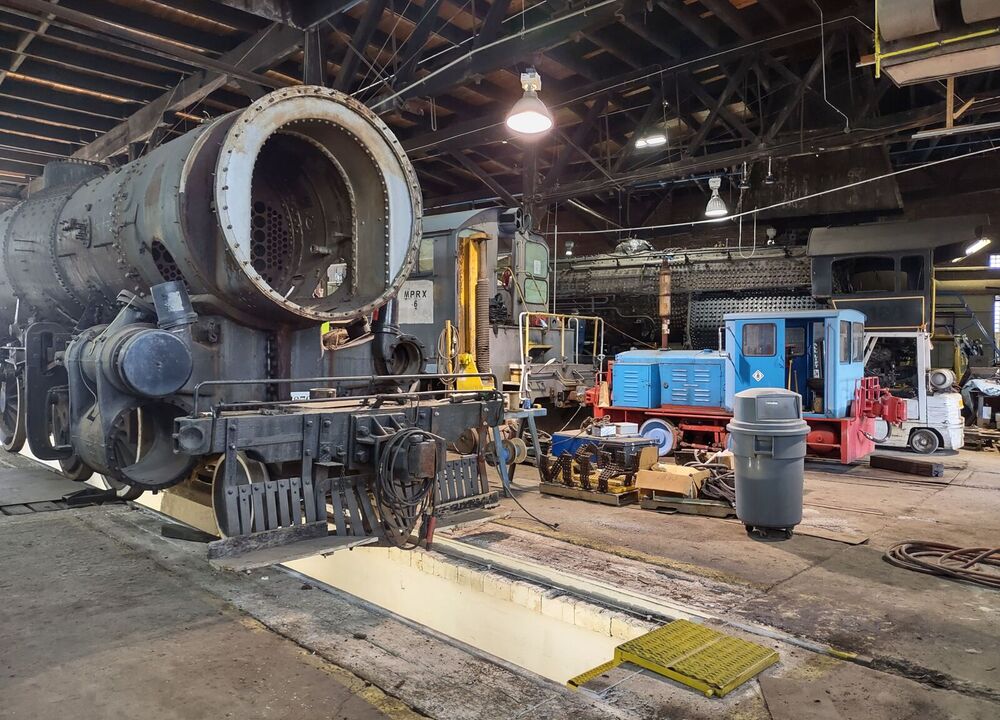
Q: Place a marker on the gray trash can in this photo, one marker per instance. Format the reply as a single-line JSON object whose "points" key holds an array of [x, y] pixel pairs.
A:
{"points": [[768, 440]]}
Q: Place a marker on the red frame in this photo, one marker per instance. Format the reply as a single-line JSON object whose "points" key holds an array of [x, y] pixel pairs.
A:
{"points": [[840, 439], [845, 439]]}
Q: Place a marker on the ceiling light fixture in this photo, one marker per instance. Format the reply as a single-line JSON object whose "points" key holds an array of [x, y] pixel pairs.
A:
{"points": [[716, 207], [653, 140], [977, 246], [568, 245], [770, 179], [529, 116], [745, 178]]}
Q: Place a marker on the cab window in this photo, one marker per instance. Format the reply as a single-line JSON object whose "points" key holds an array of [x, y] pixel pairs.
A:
{"points": [[857, 342], [845, 341], [759, 339]]}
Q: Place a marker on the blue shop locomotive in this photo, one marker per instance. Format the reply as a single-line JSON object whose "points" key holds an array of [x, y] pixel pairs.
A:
{"points": [[685, 398]]}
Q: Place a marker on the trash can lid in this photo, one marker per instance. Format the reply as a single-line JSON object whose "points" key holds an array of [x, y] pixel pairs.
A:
{"points": [[768, 410]]}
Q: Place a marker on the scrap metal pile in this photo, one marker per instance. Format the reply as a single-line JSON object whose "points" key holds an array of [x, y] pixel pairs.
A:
{"points": [[591, 468]]}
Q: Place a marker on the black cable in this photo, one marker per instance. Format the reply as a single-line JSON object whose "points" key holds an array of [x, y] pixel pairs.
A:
{"points": [[402, 503], [510, 494], [721, 483]]}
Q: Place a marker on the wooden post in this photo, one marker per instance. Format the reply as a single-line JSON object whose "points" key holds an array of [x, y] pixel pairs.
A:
{"points": [[950, 122]]}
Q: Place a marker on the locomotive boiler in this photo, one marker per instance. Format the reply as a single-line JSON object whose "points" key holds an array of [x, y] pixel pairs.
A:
{"points": [[176, 317]]}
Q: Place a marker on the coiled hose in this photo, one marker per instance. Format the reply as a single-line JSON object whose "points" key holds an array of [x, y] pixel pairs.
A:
{"points": [[977, 565]]}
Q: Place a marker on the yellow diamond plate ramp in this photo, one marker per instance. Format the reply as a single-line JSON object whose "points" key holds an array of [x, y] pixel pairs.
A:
{"points": [[692, 654]]}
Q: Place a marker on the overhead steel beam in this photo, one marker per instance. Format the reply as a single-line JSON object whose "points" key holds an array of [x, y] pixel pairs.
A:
{"points": [[97, 64], [580, 134], [730, 16], [74, 80], [734, 80], [21, 47], [18, 107], [301, 14], [469, 133], [807, 143], [195, 59], [651, 34], [808, 79], [354, 51], [159, 27], [773, 8], [584, 154], [654, 112], [413, 47], [458, 66], [315, 47], [490, 29], [724, 112], [262, 50], [687, 17], [220, 13], [472, 167]]}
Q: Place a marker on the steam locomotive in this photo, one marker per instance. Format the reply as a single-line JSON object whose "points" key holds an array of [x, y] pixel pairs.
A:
{"points": [[176, 318]]}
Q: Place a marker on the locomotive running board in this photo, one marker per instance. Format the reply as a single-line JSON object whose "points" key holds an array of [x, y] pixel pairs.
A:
{"points": [[245, 552]]}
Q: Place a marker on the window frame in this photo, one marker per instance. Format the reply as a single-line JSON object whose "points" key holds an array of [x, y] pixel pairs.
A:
{"points": [[773, 340], [857, 342]]}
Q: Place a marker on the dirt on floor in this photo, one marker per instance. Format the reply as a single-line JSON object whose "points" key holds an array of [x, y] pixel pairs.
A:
{"points": [[102, 617], [842, 594]]}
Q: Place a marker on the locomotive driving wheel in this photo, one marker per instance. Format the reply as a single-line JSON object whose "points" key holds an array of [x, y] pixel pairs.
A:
{"points": [[121, 490], [12, 434]]}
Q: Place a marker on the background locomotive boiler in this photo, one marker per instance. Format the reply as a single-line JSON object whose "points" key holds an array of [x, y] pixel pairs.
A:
{"points": [[195, 281]]}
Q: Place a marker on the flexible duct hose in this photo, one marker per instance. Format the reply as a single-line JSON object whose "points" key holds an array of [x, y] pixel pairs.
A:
{"points": [[483, 325]]}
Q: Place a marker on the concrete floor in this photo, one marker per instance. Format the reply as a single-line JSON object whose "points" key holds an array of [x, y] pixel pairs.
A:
{"points": [[941, 633], [102, 617]]}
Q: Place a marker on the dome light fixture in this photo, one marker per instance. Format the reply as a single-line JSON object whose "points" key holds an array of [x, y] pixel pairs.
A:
{"points": [[716, 207], [529, 116]]}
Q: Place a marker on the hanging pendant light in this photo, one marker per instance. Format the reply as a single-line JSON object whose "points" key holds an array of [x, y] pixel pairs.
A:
{"points": [[745, 178], [716, 207], [529, 116], [770, 179]]}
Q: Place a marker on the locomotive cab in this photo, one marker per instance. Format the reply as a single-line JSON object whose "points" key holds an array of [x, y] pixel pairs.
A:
{"points": [[817, 353]]}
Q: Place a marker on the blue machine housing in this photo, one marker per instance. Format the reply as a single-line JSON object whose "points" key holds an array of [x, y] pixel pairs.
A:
{"points": [[817, 353], [653, 378], [635, 379], [692, 378]]}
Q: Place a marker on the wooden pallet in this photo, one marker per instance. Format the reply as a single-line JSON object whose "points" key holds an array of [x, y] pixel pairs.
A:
{"points": [[624, 496]]}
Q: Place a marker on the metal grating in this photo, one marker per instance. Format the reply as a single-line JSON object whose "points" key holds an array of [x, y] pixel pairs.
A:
{"points": [[460, 480], [705, 312], [692, 654]]}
